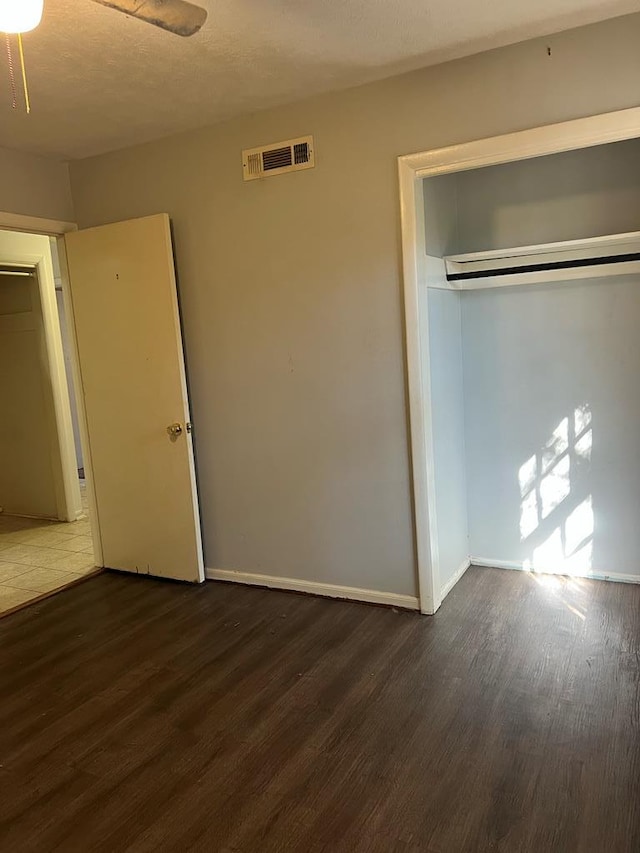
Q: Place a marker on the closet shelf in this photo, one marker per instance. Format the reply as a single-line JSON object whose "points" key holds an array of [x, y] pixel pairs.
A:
{"points": [[595, 257]]}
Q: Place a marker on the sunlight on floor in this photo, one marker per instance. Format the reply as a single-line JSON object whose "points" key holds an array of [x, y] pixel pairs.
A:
{"points": [[569, 591]]}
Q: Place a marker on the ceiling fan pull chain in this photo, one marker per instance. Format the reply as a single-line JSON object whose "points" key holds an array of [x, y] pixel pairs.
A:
{"points": [[12, 76], [24, 75]]}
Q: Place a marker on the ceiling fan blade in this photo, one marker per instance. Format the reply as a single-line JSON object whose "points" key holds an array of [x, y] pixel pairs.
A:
{"points": [[176, 16]]}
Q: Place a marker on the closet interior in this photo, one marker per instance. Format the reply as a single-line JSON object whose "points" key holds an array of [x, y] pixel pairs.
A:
{"points": [[532, 347]]}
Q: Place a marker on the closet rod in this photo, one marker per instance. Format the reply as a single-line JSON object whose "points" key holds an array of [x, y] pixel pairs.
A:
{"points": [[553, 265], [27, 273]]}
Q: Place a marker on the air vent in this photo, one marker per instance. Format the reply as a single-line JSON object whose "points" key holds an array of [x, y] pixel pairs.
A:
{"points": [[276, 159]]}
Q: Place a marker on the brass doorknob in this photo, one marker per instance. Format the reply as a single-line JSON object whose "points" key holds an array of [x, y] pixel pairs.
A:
{"points": [[174, 431]]}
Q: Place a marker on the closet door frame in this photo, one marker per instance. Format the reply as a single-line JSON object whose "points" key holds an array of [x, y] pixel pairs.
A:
{"points": [[412, 169]]}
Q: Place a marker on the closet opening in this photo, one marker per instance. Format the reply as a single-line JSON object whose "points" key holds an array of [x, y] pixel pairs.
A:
{"points": [[527, 311]]}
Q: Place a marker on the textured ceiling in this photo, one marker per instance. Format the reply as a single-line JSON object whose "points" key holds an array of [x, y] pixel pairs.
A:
{"points": [[100, 80]]}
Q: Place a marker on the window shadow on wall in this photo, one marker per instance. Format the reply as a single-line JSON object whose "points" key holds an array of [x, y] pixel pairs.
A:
{"points": [[556, 504]]}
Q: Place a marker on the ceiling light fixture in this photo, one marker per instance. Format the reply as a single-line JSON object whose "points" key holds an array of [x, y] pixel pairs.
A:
{"points": [[17, 17], [20, 16]]}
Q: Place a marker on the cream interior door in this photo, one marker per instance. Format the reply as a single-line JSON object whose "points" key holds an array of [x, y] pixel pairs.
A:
{"points": [[127, 329]]}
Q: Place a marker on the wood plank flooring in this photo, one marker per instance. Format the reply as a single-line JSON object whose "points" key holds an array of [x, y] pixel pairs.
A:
{"points": [[140, 715]]}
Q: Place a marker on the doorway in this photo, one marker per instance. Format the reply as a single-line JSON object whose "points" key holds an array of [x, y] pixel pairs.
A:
{"points": [[46, 539], [124, 329]]}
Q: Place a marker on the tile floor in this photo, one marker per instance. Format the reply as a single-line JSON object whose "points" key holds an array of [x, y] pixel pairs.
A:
{"points": [[38, 557]]}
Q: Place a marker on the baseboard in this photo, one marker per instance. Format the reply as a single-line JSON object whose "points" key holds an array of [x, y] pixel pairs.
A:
{"points": [[446, 589], [496, 564], [370, 596], [616, 577], [8, 514]]}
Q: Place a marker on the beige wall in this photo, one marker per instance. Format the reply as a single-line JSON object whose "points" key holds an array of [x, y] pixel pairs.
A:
{"points": [[27, 476], [33, 186], [37, 463], [291, 294]]}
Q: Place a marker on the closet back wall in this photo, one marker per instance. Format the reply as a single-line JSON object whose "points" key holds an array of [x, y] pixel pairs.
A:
{"points": [[587, 193], [552, 406], [551, 389]]}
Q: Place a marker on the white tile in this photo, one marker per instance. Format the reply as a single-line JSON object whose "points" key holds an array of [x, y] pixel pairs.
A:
{"points": [[12, 537], [8, 540], [74, 543], [30, 555], [74, 562], [42, 580], [32, 544], [11, 570], [89, 570], [43, 536], [10, 598]]}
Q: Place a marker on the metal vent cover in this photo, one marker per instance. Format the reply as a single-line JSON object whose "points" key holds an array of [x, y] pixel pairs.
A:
{"points": [[278, 158]]}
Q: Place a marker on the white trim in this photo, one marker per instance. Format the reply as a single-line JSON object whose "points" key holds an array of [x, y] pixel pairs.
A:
{"points": [[70, 497], [522, 145], [610, 248], [615, 577], [449, 585], [370, 596], [65, 473], [525, 144], [590, 247], [527, 279], [35, 224], [85, 441], [435, 273], [484, 563], [419, 387]]}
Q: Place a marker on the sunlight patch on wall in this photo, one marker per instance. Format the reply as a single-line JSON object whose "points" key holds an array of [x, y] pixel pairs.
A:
{"points": [[550, 553], [527, 475], [583, 446], [556, 520], [557, 445], [581, 419], [528, 515], [555, 486], [579, 526]]}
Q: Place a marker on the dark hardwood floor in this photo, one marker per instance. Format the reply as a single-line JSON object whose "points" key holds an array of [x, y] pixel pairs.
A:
{"points": [[147, 716]]}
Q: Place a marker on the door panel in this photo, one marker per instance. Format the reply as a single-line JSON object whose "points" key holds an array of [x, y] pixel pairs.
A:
{"points": [[125, 314]]}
